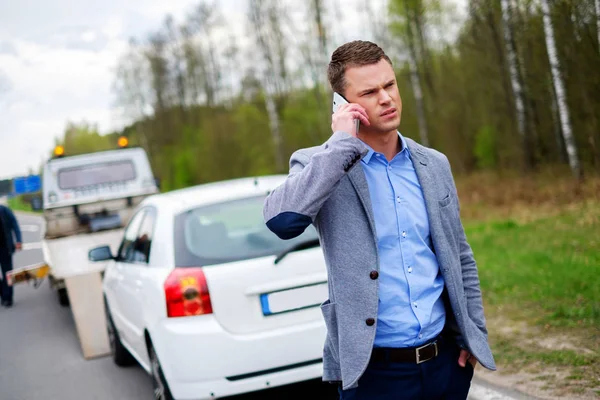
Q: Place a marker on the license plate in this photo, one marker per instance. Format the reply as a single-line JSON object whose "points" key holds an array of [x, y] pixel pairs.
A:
{"points": [[293, 299]]}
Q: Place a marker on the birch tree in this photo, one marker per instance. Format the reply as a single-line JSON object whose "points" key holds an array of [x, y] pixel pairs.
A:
{"points": [[418, 93], [515, 80], [561, 96], [265, 22], [202, 23], [404, 26], [177, 56], [597, 6]]}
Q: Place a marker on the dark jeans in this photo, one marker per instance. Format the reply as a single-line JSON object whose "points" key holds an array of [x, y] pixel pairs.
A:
{"points": [[6, 292], [436, 379]]}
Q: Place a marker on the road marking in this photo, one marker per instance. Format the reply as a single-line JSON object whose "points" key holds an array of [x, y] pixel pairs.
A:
{"points": [[30, 228], [479, 392], [32, 246]]}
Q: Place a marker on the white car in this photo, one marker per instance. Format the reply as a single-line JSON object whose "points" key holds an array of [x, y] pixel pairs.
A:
{"points": [[208, 300]]}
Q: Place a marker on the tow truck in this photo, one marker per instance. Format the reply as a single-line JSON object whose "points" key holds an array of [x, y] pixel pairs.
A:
{"points": [[88, 199]]}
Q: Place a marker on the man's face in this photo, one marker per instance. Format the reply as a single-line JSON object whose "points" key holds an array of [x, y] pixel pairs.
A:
{"points": [[374, 88]]}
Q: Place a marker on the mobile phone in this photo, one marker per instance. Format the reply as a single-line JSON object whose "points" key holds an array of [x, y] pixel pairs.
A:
{"points": [[338, 100]]}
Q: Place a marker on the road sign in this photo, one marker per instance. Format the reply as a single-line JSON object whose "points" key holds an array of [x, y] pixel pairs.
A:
{"points": [[27, 184]]}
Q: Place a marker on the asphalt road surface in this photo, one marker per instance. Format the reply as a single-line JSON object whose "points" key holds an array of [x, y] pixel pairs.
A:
{"points": [[40, 355]]}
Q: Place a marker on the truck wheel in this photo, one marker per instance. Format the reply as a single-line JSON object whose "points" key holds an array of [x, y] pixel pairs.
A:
{"points": [[63, 297], [120, 354]]}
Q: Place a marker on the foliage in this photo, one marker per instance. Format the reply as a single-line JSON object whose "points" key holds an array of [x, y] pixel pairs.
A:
{"points": [[206, 108]]}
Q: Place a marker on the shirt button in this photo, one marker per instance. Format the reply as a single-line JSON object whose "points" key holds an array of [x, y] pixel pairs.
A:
{"points": [[421, 336], [374, 274], [409, 270], [403, 234], [398, 199], [370, 321], [415, 304]]}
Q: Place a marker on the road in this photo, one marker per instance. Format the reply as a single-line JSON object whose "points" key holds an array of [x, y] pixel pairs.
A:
{"points": [[40, 355]]}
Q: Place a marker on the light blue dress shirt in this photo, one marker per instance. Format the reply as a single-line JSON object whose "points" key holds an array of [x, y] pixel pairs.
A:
{"points": [[411, 309]]}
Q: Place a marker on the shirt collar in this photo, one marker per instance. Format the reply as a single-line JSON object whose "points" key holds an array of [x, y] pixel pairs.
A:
{"points": [[371, 152]]}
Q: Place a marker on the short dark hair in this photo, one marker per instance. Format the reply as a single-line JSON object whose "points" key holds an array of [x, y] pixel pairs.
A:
{"points": [[352, 54]]}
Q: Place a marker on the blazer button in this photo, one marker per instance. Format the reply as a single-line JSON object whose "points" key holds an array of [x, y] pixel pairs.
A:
{"points": [[374, 274], [370, 321]]}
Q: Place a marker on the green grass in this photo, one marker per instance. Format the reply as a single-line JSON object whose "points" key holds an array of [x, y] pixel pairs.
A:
{"points": [[549, 268], [509, 353], [17, 204], [541, 279]]}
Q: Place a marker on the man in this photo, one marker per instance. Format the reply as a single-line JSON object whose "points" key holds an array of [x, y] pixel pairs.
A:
{"points": [[404, 316], [10, 240]]}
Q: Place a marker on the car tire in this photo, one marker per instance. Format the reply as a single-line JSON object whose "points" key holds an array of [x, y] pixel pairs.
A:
{"points": [[159, 383], [120, 354], [63, 297]]}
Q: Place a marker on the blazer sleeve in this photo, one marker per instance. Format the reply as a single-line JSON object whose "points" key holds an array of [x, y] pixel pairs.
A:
{"points": [[293, 206], [14, 225], [470, 275]]}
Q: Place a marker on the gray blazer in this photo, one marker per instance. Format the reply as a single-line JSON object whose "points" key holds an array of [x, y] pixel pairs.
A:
{"points": [[327, 187]]}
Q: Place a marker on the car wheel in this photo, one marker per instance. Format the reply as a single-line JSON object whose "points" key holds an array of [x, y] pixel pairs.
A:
{"points": [[159, 383], [120, 354]]}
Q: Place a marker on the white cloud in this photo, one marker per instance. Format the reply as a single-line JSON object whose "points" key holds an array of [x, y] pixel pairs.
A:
{"points": [[57, 61]]}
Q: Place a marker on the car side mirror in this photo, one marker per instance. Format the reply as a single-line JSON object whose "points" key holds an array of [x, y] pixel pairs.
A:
{"points": [[102, 253]]}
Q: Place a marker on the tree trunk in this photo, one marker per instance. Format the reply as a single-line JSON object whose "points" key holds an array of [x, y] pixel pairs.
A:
{"points": [[423, 54], [265, 20], [416, 86], [275, 132], [516, 81], [561, 98], [560, 143], [597, 4], [415, 79], [501, 58], [320, 62]]}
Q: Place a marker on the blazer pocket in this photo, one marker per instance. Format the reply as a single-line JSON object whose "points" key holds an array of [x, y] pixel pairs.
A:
{"points": [[446, 200]]}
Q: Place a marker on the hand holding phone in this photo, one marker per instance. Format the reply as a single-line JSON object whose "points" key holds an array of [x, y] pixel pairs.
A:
{"points": [[347, 117]]}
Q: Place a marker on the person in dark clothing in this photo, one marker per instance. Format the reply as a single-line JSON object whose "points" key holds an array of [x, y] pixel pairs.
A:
{"points": [[10, 241]]}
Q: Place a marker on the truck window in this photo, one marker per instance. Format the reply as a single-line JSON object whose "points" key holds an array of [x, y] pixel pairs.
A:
{"points": [[96, 174]]}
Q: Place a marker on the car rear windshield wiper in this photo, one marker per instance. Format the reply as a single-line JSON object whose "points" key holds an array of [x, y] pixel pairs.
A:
{"points": [[307, 244]]}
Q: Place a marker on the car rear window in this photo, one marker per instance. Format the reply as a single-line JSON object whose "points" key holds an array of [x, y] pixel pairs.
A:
{"points": [[95, 175], [228, 232]]}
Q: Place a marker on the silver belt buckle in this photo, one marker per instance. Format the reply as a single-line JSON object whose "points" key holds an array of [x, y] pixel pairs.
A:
{"points": [[419, 360]]}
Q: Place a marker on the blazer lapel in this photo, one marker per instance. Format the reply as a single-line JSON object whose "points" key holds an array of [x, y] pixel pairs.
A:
{"points": [[359, 181], [428, 184], [426, 180]]}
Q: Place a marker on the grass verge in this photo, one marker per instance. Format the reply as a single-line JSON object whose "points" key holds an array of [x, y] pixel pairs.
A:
{"points": [[539, 265]]}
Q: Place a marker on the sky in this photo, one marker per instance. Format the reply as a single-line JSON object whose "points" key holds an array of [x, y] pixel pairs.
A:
{"points": [[57, 62]]}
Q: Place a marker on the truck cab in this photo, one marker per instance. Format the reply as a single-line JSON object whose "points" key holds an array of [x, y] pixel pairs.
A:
{"points": [[97, 191], [88, 199]]}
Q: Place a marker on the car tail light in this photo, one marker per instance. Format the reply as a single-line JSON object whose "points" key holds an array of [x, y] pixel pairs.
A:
{"points": [[187, 293]]}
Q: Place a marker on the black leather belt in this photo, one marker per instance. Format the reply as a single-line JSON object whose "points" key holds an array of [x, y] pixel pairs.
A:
{"points": [[416, 355]]}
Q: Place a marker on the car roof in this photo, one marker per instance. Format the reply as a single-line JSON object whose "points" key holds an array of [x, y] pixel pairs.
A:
{"points": [[214, 192]]}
